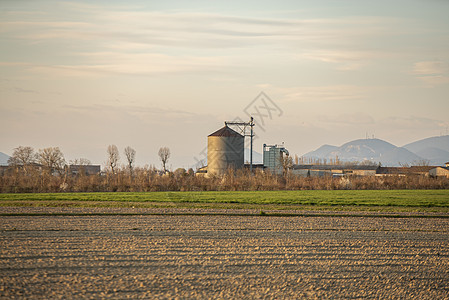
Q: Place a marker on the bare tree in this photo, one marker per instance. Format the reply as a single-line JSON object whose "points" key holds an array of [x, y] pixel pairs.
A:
{"points": [[22, 156], [164, 155], [296, 159], [80, 162], [113, 157], [52, 159], [130, 154], [421, 163], [286, 164]]}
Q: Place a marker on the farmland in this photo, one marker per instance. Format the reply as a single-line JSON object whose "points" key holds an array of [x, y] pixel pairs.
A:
{"points": [[353, 200], [221, 245], [221, 257]]}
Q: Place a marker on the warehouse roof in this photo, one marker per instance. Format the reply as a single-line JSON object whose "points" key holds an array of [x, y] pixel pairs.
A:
{"points": [[334, 167]]}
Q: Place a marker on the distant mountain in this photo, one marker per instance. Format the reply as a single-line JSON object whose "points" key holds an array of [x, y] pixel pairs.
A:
{"points": [[363, 149], [257, 157], [435, 149], [321, 152], [374, 150], [3, 159], [398, 156]]}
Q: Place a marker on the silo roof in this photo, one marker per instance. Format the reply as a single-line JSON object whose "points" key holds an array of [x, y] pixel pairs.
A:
{"points": [[225, 131]]}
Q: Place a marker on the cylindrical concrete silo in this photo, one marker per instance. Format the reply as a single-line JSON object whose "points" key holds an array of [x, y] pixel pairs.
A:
{"points": [[225, 149]]}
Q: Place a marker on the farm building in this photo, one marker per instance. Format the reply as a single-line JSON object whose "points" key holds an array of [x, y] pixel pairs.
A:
{"points": [[225, 149], [84, 169], [273, 156], [392, 171], [333, 170], [406, 171], [440, 171], [420, 170]]}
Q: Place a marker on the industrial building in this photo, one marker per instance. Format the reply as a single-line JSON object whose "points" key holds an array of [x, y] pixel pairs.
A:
{"points": [[273, 158], [225, 149]]}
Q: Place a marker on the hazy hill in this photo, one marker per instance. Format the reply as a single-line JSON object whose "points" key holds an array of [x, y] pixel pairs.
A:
{"points": [[398, 156], [363, 149], [257, 157], [3, 159], [435, 149], [374, 150], [321, 152]]}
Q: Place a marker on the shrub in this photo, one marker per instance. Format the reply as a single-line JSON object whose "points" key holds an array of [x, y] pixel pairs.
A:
{"points": [[15, 180]]}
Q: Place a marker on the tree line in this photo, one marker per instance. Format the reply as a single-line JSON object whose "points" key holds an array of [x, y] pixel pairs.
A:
{"points": [[52, 159], [148, 179], [43, 171], [46, 170]]}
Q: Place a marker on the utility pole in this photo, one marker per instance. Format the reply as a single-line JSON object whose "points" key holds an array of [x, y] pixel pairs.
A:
{"points": [[251, 123], [251, 135]]}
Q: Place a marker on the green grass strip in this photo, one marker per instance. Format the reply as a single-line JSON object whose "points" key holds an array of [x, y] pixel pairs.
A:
{"points": [[264, 214], [381, 198]]}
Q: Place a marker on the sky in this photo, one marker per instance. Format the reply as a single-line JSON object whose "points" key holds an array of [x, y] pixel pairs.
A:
{"points": [[82, 75]]}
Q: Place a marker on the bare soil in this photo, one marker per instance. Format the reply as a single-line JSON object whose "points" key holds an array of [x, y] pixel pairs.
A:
{"points": [[221, 257]]}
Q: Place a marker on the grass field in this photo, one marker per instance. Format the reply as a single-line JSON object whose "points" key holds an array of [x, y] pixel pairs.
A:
{"points": [[411, 200]]}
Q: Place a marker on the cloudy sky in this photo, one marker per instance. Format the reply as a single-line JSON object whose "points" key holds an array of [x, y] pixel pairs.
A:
{"points": [[82, 75]]}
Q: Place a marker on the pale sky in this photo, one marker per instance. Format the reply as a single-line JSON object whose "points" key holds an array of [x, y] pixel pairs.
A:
{"points": [[82, 75]]}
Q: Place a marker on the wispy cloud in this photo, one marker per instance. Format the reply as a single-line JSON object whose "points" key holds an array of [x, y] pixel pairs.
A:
{"points": [[171, 29], [103, 63], [435, 80], [345, 60], [347, 119], [432, 73], [189, 29], [430, 68], [411, 122], [26, 91], [128, 35], [146, 111], [317, 93]]}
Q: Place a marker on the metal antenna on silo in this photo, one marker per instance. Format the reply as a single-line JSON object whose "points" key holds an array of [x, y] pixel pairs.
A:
{"points": [[251, 135]]}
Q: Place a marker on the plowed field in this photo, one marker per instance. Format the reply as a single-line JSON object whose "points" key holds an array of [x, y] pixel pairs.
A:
{"points": [[219, 256]]}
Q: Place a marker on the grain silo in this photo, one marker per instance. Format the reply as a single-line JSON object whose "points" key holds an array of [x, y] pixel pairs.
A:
{"points": [[225, 149]]}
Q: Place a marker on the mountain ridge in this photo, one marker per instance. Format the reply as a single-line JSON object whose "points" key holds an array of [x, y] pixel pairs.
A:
{"points": [[3, 159], [433, 150]]}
